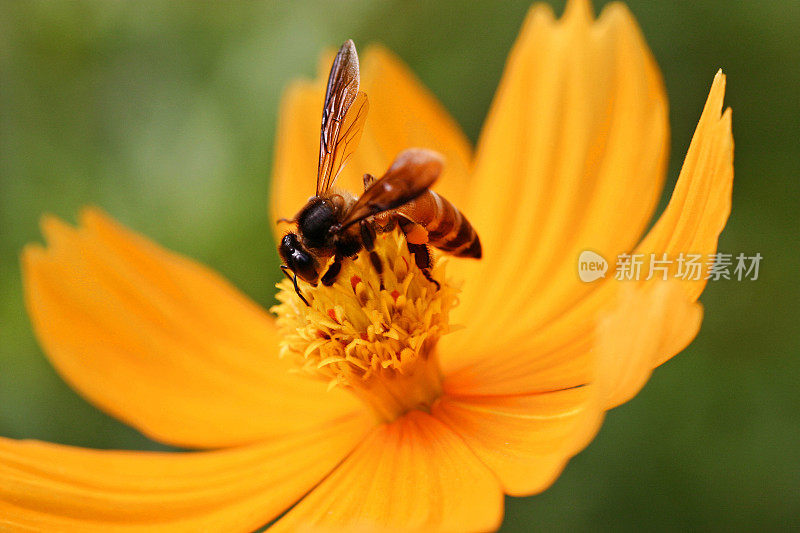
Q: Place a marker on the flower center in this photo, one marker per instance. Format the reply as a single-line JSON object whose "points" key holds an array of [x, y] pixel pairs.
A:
{"points": [[373, 334]]}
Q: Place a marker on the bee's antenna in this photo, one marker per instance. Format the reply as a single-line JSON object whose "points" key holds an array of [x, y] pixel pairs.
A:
{"points": [[284, 269], [285, 221], [297, 290]]}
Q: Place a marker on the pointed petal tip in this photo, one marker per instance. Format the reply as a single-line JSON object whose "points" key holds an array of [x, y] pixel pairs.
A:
{"points": [[713, 107], [615, 13], [720, 81], [54, 229], [377, 49], [31, 254], [727, 117], [48, 220], [579, 9], [373, 55], [716, 95], [299, 86], [537, 13], [377, 57], [95, 221], [718, 86], [91, 214]]}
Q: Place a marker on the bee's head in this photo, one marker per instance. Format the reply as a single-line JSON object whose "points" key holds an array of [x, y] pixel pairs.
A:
{"points": [[298, 259]]}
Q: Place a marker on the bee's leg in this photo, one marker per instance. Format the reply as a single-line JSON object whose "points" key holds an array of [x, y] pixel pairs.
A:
{"points": [[368, 238], [284, 269], [369, 179], [422, 257], [333, 271]]}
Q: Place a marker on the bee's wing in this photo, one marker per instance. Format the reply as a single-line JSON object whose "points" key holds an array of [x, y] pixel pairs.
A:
{"points": [[411, 174], [343, 115]]}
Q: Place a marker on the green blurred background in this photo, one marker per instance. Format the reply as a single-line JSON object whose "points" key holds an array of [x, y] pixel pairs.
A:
{"points": [[164, 114]]}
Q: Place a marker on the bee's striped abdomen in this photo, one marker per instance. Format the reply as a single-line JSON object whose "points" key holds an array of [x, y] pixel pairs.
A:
{"points": [[448, 230]]}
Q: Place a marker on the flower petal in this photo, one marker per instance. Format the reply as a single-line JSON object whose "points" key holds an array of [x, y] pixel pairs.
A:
{"points": [[163, 343], [565, 353], [405, 114], [413, 474], [402, 114], [572, 157], [558, 354], [650, 323], [526, 440], [700, 205], [50, 487]]}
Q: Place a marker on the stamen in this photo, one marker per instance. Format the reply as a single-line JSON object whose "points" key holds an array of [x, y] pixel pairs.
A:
{"points": [[372, 333]]}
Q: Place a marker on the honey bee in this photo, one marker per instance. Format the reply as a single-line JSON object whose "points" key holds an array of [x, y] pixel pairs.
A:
{"points": [[335, 224]]}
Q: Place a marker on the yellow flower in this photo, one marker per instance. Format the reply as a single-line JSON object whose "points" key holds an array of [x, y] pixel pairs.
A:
{"points": [[429, 405]]}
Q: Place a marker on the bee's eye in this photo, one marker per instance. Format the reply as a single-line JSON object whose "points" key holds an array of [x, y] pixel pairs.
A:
{"points": [[298, 259]]}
